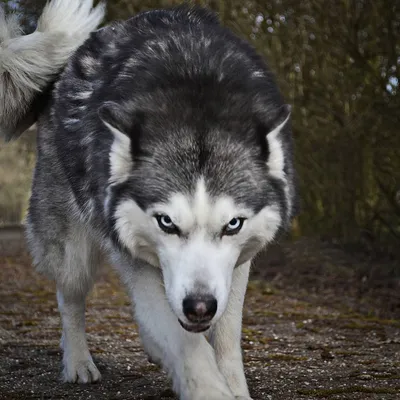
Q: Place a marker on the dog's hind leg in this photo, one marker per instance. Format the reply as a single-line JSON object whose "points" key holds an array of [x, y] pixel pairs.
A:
{"points": [[225, 336], [188, 358]]}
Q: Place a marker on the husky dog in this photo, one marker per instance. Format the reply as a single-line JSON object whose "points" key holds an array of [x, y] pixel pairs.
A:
{"points": [[165, 144]]}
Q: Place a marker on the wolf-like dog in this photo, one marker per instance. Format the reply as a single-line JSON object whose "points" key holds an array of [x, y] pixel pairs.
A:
{"points": [[165, 144]]}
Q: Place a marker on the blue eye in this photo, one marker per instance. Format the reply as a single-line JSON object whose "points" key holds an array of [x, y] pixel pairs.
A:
{"points": [[165, 223], [234, 226]]}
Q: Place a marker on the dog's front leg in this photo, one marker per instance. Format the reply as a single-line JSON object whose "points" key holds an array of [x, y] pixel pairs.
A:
{"points": [[188, 357], [78, 363], [226, 334]]}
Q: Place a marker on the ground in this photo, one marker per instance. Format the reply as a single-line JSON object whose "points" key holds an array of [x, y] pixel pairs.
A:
{"points": [[318, 324]]}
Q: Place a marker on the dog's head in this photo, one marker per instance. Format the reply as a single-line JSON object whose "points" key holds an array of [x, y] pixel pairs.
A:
{"points": [[198, 195]]}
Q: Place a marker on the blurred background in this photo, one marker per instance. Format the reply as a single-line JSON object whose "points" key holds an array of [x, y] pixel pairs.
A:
{"points": [[337, 63]]}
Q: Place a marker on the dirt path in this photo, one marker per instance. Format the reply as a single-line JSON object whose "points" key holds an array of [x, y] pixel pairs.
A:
{"points": [[293, 349]]}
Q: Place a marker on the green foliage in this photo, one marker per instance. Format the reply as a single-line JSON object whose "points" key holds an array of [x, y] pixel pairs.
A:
{"points": [[337, 63]]}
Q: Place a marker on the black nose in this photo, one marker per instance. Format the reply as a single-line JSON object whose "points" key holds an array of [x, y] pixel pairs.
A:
{"points": [[200, 308]]}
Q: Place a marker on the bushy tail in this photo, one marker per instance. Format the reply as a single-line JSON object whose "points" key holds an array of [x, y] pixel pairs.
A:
{"points": [[29, 63]]}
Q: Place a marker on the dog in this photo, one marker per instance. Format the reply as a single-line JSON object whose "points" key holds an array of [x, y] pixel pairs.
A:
{"points": [[164, 144]]}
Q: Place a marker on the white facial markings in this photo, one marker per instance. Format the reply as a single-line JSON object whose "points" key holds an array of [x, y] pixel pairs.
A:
{"points": [[201, 203], [136, 232], [196, 266], [178, 209], [225, 210], [198, 260], [200, 212], [261, 230], [266, 223]]}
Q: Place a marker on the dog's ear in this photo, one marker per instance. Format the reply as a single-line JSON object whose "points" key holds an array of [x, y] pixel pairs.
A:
{"points": [[274, 129], [125, 128], [115, 118], [277, 151]]}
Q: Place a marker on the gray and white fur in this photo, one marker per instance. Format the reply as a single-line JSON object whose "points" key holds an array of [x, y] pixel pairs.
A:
{"points": [[29, 63], [165, 145]]}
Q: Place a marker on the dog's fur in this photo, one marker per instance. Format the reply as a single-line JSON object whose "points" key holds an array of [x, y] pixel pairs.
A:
{"points": [[29, 63], [166, 114]]}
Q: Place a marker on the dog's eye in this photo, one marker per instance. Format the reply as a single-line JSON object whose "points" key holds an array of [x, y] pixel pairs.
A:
{"points": [[166, 224], [234, 226]]}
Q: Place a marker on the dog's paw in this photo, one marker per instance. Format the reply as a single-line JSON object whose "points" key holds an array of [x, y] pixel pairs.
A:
{"points": [[233, 371], [81, 371], [208, 396], [213, 395]]}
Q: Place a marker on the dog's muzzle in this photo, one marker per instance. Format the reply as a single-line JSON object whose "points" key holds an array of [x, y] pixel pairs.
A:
{"points": [[199, 311], [194, 328]]}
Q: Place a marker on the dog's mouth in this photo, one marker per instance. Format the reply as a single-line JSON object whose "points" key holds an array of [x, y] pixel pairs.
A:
{"points": [[194, 328]]}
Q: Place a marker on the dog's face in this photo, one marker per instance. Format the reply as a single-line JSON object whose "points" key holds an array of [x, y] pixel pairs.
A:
{"points": [[197, 219], [197, 241]]}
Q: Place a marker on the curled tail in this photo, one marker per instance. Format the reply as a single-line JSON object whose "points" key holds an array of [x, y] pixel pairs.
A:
{"points": [[29, 63]]}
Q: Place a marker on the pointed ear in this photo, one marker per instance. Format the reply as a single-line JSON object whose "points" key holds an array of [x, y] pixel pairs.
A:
{"points": [[280, 120], [114, 117], [275, 140], [116, 120]]}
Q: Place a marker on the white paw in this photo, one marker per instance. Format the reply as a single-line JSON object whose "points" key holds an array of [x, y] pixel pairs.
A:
{"points": [[213, 396], [233, 371], [81, 371], [207, 393]]}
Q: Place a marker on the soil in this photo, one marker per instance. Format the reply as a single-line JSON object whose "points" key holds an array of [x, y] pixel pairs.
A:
{"points": [[319, 323]]}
